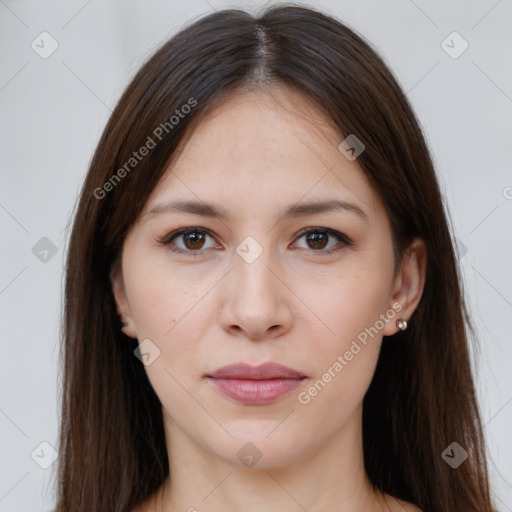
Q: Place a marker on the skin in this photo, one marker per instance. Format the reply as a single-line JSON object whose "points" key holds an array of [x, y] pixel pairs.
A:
{"points": [[254, 154]]}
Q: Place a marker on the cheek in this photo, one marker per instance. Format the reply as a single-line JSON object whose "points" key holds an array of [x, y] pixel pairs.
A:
{"points": [[161, 296], [349, 303], [351, 309], [172, 309], [167, 309], [344, 361]]}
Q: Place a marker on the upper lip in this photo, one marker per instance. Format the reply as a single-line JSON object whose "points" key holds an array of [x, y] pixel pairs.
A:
{"points": [[264, 371]]}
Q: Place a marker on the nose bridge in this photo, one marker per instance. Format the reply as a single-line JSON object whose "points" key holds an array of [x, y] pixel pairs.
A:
{"points": [[251, 271], [256, 301]]}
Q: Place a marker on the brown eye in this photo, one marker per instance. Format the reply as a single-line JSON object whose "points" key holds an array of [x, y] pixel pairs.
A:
{"points": [[190, 241], [317, 240], [193, 240], [324, 240]]}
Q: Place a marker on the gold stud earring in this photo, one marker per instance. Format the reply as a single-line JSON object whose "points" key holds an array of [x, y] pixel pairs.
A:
{"points": [[401, 324]]}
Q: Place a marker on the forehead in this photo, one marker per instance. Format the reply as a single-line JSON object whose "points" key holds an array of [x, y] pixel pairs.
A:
{"points": [[264, 149]]}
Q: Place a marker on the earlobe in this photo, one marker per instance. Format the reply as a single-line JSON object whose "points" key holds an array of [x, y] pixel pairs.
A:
{"points": [[129, 330], [122, 306], [409, 284]]}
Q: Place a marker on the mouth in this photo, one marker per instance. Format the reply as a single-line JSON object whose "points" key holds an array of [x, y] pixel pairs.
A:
{"points": [[255, 385]]}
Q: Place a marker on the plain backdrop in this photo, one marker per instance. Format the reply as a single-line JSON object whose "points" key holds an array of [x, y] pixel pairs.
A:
{"points": [[54, 107]]}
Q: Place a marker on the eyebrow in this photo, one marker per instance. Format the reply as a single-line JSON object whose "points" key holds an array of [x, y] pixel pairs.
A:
{"points": [[205, 209]]}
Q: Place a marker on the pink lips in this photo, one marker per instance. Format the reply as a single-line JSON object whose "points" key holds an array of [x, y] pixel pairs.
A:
{"points": [[255, 385]]}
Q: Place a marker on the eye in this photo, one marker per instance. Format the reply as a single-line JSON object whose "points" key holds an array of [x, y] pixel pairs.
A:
{"points": [[320, 240], [188, 240]]}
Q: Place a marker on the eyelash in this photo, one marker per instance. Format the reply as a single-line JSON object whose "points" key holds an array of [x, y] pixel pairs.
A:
{"points": [[343, 239]]}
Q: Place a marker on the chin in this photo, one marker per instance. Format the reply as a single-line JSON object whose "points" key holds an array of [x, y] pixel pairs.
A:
{"points": [[254, 448]]}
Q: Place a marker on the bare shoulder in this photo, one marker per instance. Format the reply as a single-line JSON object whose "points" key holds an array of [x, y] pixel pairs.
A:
{"points": [[408, 507], [396, 505]]}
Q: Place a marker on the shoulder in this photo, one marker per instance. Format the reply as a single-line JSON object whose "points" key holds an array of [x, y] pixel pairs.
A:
{"points": [[396, 505], [409, 507]]}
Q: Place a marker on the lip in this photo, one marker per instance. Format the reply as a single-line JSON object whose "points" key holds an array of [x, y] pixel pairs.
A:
{"points": [[255, 385]]}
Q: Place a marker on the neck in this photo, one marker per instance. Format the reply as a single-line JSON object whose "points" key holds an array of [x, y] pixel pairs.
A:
{"points": [[331, 478]]}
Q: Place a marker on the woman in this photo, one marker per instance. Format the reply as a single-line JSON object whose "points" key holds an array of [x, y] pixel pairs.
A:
{"points": [[263, 308]]}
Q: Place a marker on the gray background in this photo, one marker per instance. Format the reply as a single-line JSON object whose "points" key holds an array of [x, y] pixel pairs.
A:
{"points": [[52, 114]]}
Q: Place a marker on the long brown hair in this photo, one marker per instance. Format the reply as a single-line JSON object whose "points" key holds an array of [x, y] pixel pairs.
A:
{"points": [[422, 398]]}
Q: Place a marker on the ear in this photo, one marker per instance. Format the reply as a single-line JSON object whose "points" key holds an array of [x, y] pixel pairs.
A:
{"points": [[409, 283], [122, 306]]}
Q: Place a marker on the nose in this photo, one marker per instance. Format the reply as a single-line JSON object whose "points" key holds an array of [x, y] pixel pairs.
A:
{"points": [[256, 302]]}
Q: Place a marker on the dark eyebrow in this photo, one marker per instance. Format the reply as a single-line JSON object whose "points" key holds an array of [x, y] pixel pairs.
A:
{"points": [[329, 205], [296, 210], [194, 207]]}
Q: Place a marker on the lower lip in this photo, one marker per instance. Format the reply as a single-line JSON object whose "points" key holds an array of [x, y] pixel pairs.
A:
{"points": [[255, 392]]}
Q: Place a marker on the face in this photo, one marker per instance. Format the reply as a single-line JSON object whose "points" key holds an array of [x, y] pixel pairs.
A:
{"points": [[285, 258]]}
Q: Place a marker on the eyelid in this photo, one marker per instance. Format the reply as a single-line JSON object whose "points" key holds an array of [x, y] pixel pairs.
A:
{"points": [[332, 232], [167, 239], [182, 231], [343, 241], [342, 238]]}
